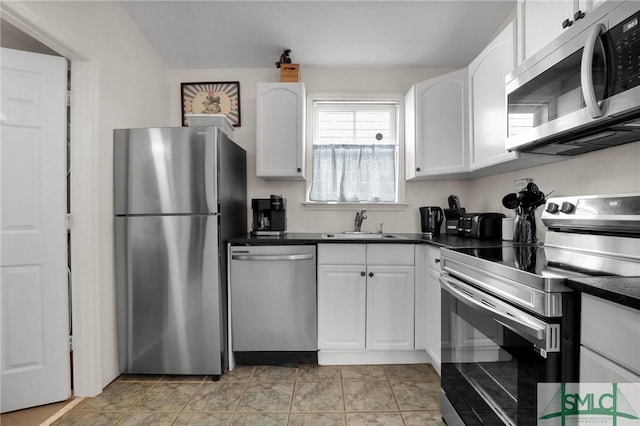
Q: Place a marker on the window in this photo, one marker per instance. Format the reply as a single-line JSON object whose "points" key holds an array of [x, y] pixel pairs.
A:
{"points": [[355, 152], [525, 117]]}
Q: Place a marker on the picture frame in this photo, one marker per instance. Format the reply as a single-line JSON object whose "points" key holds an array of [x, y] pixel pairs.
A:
{"points": [[211, 97]]}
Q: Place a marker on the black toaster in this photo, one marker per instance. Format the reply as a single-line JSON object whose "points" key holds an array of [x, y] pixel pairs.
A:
{"points": [[483, 226]]}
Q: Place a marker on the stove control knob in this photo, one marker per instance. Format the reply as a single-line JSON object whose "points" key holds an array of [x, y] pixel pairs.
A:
{"points": [[567, 208], [552, 208]]}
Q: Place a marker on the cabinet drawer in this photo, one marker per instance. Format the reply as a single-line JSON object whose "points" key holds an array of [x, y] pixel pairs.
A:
{"points": [[390, 254], [594, 368], [342, 254], [612, 330]]}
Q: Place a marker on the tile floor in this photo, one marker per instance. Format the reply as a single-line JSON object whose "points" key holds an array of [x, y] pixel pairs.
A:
{"points": [[268, 395]]}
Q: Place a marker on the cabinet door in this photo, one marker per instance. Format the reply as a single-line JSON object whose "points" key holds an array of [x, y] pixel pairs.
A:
{"points": [[488, 102], [436, 126], [421, 302], [590, 5], [341, 306], [612, 330], [433, 317], [390, 307], [542, 22], [280, 123]]}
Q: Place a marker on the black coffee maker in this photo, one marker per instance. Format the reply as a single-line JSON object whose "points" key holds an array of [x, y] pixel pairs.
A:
{"points": [[269, 215]]}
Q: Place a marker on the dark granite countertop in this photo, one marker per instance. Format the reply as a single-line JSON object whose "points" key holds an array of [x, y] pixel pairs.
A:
{"points": [[441, 240], [622, 290]]}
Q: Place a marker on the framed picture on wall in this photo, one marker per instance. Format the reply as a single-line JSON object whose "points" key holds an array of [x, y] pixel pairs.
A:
{"points": [[216, 97]]}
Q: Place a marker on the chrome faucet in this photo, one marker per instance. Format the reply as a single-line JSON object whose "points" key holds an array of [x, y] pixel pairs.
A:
{"points": [[360, 216]]}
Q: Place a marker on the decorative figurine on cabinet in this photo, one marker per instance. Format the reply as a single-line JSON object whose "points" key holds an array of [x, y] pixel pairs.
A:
{"points": [[284, 58]]}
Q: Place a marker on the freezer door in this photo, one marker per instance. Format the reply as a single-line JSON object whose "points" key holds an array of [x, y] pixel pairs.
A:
{"points": [[168, 170], [168, 295]]}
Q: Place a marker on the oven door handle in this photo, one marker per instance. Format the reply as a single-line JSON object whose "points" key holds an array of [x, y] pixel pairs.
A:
{"points": [[525, 325]]}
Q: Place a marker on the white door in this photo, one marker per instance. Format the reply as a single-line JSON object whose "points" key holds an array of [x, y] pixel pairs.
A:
{"points": [[390, 305], [441, 125], [341, 306], [280, 130], [488, 101], [33, 297]]}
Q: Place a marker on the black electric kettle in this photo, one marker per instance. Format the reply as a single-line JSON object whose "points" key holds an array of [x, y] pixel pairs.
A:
{"points": [[430, 219]]}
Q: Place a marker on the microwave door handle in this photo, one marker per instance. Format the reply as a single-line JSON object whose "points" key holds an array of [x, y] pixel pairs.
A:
{"points": [[521, 327], [586, 76]]}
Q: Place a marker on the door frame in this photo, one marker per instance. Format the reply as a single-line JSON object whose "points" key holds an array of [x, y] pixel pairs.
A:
{"points": [[85, 174]]}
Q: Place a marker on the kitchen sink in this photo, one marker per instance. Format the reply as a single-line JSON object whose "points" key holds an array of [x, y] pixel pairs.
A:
{"points": [[361, 235]]}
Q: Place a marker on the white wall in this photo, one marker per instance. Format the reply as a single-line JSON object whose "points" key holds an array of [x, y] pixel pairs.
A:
{"points": [[133, 92], [322, 80], [606, 171], [612, 170]]}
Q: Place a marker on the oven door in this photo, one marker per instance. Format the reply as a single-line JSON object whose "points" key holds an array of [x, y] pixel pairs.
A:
{"points": [[493, 357]]}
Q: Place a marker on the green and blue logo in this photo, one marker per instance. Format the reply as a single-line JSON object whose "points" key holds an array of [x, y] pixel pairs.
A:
{"points": [[589, 403]]}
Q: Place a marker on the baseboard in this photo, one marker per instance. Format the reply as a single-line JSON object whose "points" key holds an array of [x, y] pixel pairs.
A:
{"points": [[328, 357]]}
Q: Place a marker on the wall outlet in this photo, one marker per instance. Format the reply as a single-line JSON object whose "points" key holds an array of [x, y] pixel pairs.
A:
{"points": [[521, 184]]}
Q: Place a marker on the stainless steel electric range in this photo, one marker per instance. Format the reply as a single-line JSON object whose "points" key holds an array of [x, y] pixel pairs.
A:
{"points": [[508, 320]]}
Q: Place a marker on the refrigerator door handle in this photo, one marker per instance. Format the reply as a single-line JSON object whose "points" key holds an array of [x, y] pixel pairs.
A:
{"points": [[211, 174]]}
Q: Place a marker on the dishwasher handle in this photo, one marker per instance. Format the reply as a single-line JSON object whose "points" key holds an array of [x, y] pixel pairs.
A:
{"points": [[271, 257]]}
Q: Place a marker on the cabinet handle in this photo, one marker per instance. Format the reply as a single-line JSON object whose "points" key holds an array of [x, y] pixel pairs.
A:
{"points": [[362, 274], [579, 15], [371, 274], [299, 169], [567, 23], [437, 260], [417, 169]]}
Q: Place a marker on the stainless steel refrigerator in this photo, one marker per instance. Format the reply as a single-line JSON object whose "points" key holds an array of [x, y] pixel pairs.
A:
{"points": [[179, 195]]}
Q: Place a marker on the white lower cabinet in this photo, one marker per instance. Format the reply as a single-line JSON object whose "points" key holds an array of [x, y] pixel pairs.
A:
{"points": [[390, 307], [433, 310], [342, 292], [609, 331], [365, 308]]}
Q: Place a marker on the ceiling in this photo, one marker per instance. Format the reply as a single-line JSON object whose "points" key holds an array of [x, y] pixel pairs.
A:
{"points": [[320, 33]]}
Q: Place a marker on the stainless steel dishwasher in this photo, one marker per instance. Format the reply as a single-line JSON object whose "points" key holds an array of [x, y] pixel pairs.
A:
{"points": [[273, 304]]}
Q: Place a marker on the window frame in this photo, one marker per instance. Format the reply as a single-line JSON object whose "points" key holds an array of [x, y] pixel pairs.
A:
{"points": [[394, 98]]}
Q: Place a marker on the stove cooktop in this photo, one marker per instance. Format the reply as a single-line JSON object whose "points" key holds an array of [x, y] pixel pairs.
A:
{"points": [[544, 262]]}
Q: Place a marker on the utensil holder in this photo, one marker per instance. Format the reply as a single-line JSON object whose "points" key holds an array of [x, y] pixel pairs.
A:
{"points": [[524, 228]]}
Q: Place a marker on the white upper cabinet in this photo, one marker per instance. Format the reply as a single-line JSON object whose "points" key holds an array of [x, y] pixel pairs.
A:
{"points": [[488, 103], [436, 126], [544, 20], [488, 111], [280, 130]]}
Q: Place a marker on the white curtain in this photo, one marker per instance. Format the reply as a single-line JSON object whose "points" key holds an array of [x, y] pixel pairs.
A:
{"points": [[354, 173]]}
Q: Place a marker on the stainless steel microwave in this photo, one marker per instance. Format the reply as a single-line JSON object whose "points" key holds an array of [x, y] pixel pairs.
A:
{"points": [[582, 92]]}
